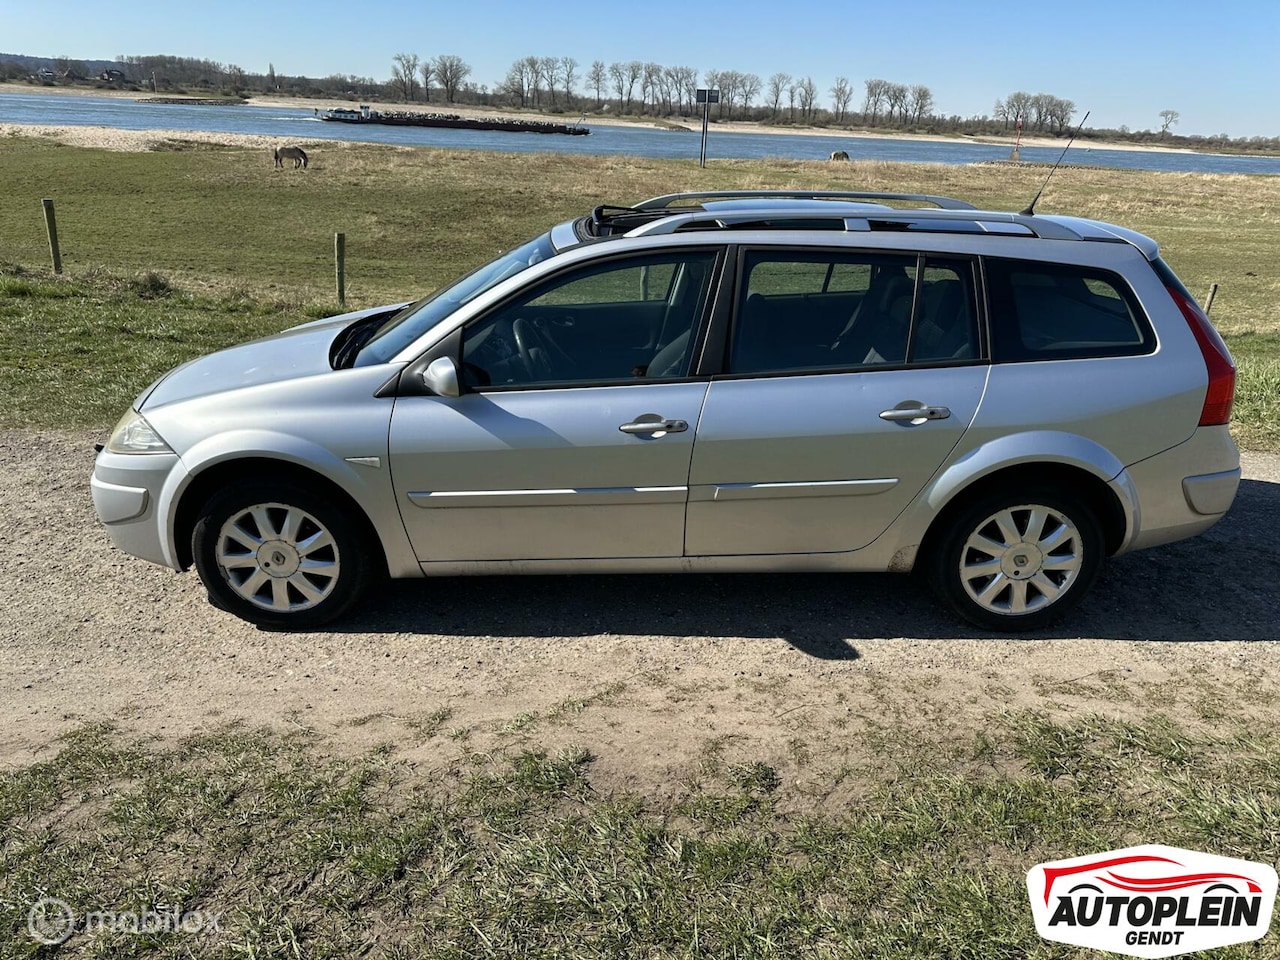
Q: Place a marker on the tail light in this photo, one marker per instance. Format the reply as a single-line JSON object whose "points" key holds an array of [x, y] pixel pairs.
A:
{"points": [[1220, 396]]}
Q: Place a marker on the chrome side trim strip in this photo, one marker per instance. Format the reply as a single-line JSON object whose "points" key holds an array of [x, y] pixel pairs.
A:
{"points": [[565, 497], [781, 491]]}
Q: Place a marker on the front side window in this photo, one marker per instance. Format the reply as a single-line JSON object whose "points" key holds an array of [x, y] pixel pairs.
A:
{"points": [[802, 310], [1043, 311], [627, 320]]}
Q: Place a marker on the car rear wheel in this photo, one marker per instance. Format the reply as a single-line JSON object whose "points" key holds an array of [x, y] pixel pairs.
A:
{"points": [[280, 556], [1018, 563]]}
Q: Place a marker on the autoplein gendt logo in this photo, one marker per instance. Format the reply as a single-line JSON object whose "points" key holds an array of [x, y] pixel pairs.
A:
{"points": [[1152, 901]]}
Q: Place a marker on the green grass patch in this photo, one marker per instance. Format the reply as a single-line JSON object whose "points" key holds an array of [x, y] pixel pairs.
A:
{"points": [[1256, 418], [306, 855], [74, 352]]}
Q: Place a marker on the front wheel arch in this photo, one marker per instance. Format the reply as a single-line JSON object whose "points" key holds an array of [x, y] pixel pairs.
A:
{"points": [[209, 482]]}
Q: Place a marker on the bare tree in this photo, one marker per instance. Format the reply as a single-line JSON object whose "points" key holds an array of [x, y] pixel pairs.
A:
{"points": [[778, 84], [451, 70], [920, 99], [618, 74], [520, 80], [841, 94], [404, 75], [749, 87], [689, 85], [666, 89], [1018, 106], [650, 85], [1040, 110], [427, 70], [896, 100], [793, 89], [1001, 112], [874, 100], [1167, 119], [568, 76], [808, 95], [549, 70], [1060, 112], [635, 69], [597, 77]]}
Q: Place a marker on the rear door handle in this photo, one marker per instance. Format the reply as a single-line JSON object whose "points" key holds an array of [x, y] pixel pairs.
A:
{"points": [[911, 412], [654, 425]]}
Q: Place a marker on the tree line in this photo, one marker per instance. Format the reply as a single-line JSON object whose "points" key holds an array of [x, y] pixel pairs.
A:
{"points": [[560, 84], [1035, 111]]}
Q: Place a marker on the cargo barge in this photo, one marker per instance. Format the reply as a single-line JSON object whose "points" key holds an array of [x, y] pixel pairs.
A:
{"points": [[451, 121]]}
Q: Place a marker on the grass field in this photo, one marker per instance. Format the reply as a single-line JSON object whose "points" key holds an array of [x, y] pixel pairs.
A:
{"points": [[241, 248], [513, 853]]}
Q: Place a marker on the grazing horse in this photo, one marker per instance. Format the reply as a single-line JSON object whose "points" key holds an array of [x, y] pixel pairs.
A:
{"points": [[296, 154], [839, 155]]}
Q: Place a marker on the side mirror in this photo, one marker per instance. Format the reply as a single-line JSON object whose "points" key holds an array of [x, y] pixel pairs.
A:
{"points": [[441, 377]]}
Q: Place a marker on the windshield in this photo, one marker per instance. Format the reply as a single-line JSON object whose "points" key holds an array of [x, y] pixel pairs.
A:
{"points": [[415, 320]]}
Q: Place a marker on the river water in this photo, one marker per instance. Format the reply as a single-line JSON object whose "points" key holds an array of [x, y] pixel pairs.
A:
{"points": [[302, 124]]}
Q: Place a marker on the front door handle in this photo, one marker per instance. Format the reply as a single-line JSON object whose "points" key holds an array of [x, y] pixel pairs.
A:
{"points": [[915, 413], [654, 425]]}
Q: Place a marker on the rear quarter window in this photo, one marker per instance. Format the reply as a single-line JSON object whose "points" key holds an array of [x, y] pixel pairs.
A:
{"points": [[1060, 311]]}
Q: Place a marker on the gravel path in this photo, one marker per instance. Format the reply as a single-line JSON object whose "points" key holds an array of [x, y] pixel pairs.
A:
{"points": [[778, 665]]}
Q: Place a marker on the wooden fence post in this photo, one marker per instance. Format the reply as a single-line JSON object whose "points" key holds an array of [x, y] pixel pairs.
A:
{"points": [[1208, 304], [51, 224], [340, 265]]}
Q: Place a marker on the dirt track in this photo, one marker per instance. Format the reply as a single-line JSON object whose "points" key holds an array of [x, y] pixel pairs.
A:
{"points": [[771, 666]]}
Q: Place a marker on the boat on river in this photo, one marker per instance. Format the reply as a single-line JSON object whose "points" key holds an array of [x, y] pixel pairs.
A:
{"points": [[451, 121]]}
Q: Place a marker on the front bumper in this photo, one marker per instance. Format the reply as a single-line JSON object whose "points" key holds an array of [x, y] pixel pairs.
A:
{"points": [[131, 495]]}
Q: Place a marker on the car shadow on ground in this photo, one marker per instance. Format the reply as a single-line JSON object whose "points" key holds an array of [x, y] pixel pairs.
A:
{"points": [[1223, 585]]}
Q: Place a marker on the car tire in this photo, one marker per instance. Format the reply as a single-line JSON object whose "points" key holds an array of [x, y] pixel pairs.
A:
{"points": [[280, 556], [1017, 563]]}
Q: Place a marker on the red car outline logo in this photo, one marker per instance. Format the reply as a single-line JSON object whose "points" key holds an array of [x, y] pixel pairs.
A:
{"points": [[1141, 884]]}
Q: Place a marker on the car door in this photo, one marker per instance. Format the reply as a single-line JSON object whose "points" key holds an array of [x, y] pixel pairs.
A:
{"points": [[572, 438], [816, 446]]}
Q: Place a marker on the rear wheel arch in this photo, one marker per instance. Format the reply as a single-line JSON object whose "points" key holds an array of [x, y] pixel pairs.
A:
{"points": [[220, 476], [1065, 478]]}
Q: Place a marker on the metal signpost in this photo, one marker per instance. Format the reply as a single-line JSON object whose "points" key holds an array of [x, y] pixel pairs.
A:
{"points": [[706, 97]]}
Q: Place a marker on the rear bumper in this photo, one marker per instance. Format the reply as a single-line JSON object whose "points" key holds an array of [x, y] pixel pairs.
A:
{"points": [[1183, 491]]}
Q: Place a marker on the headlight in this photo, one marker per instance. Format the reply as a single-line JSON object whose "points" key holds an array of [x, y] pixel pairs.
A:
{"points": [[134, 435]]}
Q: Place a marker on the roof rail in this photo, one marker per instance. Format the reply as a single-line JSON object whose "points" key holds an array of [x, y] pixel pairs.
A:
{"points": [[664, 202], [922, 221]]}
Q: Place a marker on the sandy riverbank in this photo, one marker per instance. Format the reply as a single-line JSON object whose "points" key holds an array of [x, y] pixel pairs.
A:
{"points": [[689, 124], [141, 141]]}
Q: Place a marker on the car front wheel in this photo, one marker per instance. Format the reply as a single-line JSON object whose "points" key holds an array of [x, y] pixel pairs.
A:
{"points": [[1018, 563], [280, 556]]}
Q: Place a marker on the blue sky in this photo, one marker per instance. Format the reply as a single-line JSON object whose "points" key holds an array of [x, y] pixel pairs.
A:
{"points": [[1125, 60]]}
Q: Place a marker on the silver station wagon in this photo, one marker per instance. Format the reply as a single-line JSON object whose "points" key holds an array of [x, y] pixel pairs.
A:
{"points": [[732, 381]]}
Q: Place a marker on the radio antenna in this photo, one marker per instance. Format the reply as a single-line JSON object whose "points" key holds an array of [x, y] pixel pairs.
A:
{"points": [[1031, 207]]}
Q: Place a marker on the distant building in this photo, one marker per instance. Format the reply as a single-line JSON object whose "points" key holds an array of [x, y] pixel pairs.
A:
{"points": [[112, 76], [44, 73]]}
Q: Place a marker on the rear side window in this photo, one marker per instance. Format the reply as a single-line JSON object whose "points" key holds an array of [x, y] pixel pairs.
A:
{"points": [[1043, 311], [839, 310]]}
